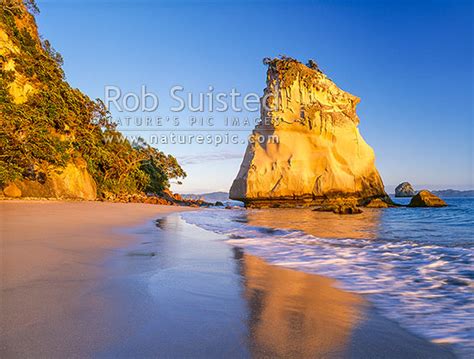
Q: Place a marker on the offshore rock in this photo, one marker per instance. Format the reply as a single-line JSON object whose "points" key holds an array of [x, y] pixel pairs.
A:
{"points": [[425, 198], [339, 209], [404, 189], [307, 150], [379, 203]]}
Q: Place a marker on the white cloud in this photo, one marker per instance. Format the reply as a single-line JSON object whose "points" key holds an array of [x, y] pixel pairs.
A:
{"points": [[206, 157]]}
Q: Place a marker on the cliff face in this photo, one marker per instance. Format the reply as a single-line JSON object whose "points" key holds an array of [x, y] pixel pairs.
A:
{"points": [[312, 152], [71, 182], [21, 50], [54, 140]]}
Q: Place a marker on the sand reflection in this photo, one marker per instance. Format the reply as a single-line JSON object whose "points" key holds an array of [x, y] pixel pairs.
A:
{"points": [[320, 224], [295, 314]]}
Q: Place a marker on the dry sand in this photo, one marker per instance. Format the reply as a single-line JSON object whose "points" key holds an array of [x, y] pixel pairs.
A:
{"points": [[51, 255]]}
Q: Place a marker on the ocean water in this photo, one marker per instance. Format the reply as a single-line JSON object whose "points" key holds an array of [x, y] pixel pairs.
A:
{"points": [[414, 264]]}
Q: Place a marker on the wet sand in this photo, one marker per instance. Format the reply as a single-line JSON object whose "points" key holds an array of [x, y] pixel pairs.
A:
{"points": [[74, 285]]}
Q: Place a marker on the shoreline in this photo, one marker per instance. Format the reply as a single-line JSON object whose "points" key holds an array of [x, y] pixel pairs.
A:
{"points": [[171, 288]]}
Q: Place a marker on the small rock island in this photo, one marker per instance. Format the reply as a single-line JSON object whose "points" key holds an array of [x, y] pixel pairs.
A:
{"points": [[425, 198], [312, 153], [404, 189]]}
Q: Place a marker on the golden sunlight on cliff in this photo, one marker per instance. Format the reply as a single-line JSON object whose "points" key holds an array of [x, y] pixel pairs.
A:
{"points": [[319, 155], [21, 87]]}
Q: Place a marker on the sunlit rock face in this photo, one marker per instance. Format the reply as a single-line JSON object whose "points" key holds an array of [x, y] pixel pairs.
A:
{"points": [[425, 198], [73, 180], [308, 149]]}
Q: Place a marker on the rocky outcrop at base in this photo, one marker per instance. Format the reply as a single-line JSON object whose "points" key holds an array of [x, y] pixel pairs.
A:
{"points": [[167, 198], [307, 150], [342, 209], [12, 191], [379, 203], [71, 182], [404, 189], [425, 198]]}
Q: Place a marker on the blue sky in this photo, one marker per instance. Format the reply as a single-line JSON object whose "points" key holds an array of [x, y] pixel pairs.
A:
{"points": [[409, 61]]}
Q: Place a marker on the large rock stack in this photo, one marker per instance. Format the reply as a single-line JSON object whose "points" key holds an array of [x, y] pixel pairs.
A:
{"points": [[308, 149]]}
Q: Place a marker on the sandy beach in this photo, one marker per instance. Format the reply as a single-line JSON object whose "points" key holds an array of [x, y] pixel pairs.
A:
{"points": [[91, 279], [52, 256]]}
